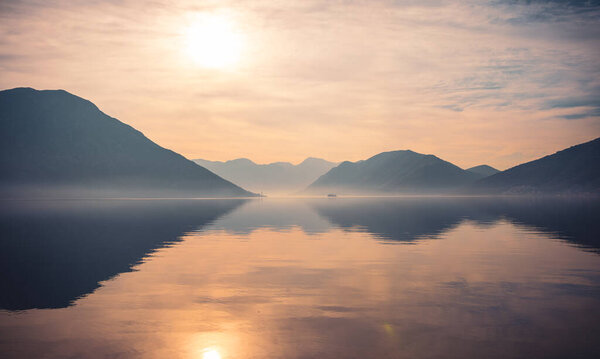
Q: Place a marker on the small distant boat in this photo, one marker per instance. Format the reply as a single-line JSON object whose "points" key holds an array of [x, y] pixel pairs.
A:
{"points": [[332, 195]]}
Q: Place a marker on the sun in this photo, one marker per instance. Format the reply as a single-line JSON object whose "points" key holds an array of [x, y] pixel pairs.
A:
{"points": [[211, 354], [213, 41]]}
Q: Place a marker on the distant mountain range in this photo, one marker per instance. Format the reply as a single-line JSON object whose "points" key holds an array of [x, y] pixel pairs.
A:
{"points": [[394, 172], [573, 170], [483, 170], [55, 143], [277, 177]]}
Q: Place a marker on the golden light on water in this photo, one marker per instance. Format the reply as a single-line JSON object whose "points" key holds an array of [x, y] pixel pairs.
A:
{"points": [[213, 41]]}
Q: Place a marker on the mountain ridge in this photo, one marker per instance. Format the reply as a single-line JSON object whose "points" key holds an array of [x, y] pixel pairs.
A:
{"points": [[54, 141], [483, 170], [278, 177], [399, 171], [573, 169]]}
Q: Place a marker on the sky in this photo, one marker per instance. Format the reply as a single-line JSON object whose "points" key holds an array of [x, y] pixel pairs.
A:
{"points": [[498, 82]]}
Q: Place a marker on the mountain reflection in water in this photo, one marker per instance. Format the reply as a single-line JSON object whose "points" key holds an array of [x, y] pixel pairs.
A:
{"points": [[301, 278], [54, 252]]}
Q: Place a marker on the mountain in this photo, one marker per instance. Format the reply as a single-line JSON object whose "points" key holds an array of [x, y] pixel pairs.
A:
{"points": [[53, 143], [483, 170], [277, 177], [573, 170], [394, 172]]}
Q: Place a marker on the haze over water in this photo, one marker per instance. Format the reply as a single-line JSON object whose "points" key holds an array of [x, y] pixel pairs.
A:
{"points": [[300, 278]]}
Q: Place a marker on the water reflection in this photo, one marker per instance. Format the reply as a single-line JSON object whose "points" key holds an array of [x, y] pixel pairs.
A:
{"points": [[317, 278], [276, 214], [53, 252], [411, 219], [573, 220]]}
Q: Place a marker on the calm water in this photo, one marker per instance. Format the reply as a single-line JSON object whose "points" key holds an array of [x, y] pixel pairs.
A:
{"points": [[301, 278]]}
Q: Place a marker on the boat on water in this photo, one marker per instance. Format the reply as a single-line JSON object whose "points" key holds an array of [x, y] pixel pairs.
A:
{"points": [[332, 195]]}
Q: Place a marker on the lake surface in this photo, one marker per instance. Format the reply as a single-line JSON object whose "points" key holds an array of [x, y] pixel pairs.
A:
{"points": [[300, 278]]}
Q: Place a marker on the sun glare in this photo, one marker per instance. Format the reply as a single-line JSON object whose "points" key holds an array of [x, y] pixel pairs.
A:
{"points": [[211, 354], [213, 41]]}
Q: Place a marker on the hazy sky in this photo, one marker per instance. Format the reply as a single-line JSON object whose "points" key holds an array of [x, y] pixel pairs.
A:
{"points": [[497, 82]]}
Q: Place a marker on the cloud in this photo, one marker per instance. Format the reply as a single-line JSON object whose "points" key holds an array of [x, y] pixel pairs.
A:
{"points": [[580, 115], [581, 107]]}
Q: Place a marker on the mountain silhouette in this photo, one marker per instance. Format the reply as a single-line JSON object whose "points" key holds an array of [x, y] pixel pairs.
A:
{"points": [[55, 143], [394, 172], [483, 170], [573, 170], [273, 177], [54, 252]]}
